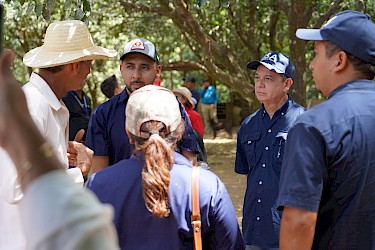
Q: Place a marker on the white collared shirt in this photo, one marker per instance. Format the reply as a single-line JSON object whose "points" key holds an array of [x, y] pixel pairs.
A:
{"points": [[51, 117], [49, 113]]}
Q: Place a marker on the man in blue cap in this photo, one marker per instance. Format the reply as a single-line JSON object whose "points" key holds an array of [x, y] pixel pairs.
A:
{"points": [[327, 184], [260, 149]]}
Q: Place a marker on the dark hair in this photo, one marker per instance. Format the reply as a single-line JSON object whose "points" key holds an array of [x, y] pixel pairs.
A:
{"points": [[284, 77], [158, 152], [367, 70], [55, 69], [108, 86]]}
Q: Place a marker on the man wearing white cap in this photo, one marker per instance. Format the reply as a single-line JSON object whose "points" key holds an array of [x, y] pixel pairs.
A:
{"points": [[106, 133], [327, 183], [64, 61], [260, 149]]}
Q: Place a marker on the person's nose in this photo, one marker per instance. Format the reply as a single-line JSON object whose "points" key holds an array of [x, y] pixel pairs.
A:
{"points": [[137, 74], [259, 83]]}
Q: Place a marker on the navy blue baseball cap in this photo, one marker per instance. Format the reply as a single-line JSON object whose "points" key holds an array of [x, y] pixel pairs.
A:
{"points": [[276, 62], [352, 31], [189, 79]]}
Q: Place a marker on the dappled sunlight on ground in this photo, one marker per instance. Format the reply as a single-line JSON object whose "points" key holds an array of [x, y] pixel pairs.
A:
{"points": [[221, 154]]}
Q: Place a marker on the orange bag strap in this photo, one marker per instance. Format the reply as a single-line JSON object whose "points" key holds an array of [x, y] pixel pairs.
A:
{"points": [[196, 216]]}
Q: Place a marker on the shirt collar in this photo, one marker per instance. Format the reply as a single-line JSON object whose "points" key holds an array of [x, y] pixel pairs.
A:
{"points": [[352, 85], [46, 91], [124, 96], [284, 108]]}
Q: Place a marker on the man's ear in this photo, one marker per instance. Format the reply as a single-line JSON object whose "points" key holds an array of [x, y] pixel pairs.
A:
{"points": [[342, 60], [158, 70], [288, 83]]}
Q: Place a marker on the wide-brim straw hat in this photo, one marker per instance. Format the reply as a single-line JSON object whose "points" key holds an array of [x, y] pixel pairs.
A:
{"points": [[66, 42], [187, 94]]}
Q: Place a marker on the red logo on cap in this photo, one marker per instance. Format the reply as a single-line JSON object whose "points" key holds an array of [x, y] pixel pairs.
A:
{"points": [[138, 45]]}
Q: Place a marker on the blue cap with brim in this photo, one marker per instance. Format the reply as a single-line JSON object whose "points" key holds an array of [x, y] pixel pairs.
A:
{"points": [[276, 62], [352, 31]]}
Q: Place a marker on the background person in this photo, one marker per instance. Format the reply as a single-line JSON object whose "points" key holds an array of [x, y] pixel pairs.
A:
{"points": [[106, 135], [110, 87], [155, 183], [209, 100], [327, 185], [184, 96], [189, 82], [79, 106], [260, 149]]}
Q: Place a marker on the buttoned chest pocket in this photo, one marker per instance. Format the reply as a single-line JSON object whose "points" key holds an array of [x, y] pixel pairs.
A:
{"points": [[280, 141], [250, 143]]}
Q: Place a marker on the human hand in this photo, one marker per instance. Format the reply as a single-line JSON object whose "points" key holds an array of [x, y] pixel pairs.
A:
{"points": [[13, 107], [79, 155]]}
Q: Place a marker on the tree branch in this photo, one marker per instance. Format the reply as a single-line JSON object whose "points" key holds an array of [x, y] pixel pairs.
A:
{"points": [[328, 14], [142, 7], [283, 4], [184, 66]]}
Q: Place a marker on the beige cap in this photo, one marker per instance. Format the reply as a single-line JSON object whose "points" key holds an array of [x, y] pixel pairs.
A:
{"points": [[152, 103]]}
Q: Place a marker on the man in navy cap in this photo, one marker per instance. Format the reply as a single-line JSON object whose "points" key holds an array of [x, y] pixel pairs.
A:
{"points": [[327, 184], [189, 82], [260, 149]]}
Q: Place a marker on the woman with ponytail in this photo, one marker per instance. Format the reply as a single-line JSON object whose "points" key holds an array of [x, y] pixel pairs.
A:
{"points": [[151, 191]]}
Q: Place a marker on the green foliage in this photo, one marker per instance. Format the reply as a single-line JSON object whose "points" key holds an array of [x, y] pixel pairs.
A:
{"points": [[246, 28]]}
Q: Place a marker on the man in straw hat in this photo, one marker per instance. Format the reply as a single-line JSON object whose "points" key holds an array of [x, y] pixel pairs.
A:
{"points": [[64, 61], [327, 183], [106, 133]]}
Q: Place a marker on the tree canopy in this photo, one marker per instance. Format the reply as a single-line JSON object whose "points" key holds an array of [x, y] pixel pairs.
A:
{"points": [[210, 39]]}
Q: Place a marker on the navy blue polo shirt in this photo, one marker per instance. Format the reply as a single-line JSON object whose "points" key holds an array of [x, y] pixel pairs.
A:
{"points": [[106, 134], [197, 97], [329, 167], [260, 150], [121, 186]]}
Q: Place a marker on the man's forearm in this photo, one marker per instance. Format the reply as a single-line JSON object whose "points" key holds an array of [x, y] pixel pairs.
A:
{"points": [[297, 229]]}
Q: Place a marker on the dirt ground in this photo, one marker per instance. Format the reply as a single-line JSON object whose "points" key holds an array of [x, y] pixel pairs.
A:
{"points": [[221, 154]]}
